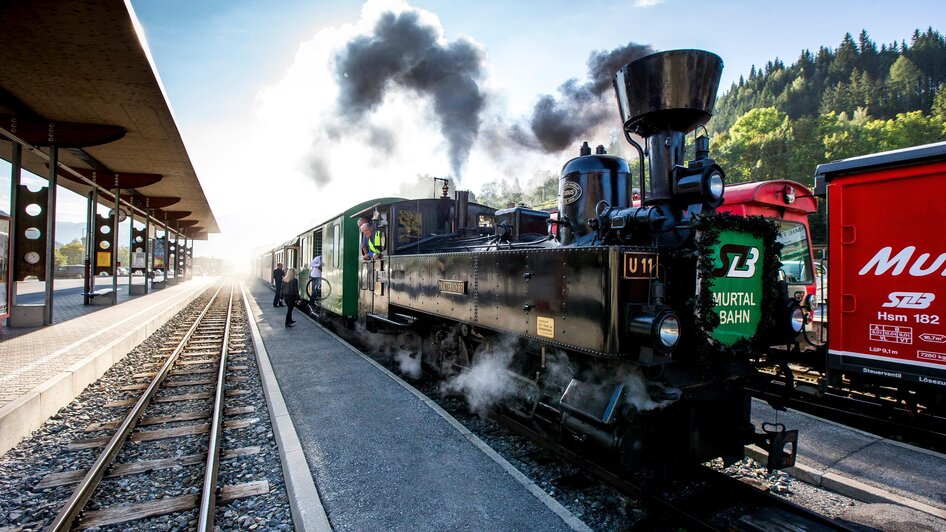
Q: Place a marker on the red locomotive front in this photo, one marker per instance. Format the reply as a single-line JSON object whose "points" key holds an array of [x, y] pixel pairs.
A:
{"points": [[887, 303], [789, 203]]}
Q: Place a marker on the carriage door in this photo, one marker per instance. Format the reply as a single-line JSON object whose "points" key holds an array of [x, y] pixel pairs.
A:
{"points": [[373, 277], [365, 292], [380, 286]]}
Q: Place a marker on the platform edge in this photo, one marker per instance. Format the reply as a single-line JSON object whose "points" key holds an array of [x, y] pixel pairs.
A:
{"points": [[305, 504], [22, 416], [847, 486]]}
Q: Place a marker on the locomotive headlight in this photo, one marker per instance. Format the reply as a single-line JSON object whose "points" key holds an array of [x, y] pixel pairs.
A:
{"points": [[809, 302], [797, 319], [714, 184], [662, 331], [668, 331], [696, 185]]}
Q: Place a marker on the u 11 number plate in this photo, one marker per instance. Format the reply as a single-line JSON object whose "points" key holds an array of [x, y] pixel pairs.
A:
{"points": [[640, 265]]}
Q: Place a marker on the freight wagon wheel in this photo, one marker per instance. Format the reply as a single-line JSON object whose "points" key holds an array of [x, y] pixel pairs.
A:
{"points": [[318, 286]]}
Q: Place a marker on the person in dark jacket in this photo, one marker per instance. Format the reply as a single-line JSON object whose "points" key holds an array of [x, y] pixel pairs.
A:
{"points": [[290, 294], [278, 275]]}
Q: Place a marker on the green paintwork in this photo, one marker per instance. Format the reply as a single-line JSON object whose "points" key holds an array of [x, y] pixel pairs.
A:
{"points": [[737, 292], [343, 275]]}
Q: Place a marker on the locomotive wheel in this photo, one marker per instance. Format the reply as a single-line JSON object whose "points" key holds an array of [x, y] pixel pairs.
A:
{"points": [[647, 445], [632, 450]]}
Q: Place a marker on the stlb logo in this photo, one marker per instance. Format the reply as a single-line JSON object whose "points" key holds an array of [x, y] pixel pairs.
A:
{"points": [[738, 261], [910, 299]]}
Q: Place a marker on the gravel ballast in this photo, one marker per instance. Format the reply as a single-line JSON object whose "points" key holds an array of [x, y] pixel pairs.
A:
{"points": [[24, 506]]}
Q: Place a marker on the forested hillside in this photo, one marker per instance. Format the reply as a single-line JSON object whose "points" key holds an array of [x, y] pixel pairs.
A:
{"points": [[782, 121]]}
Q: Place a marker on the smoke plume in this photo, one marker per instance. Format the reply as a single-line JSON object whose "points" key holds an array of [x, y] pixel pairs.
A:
{"points": [[403, 52], [557, 122], [319, 170]]}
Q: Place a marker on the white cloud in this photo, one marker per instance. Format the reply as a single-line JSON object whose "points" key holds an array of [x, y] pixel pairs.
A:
{"points": [[647, 3]]}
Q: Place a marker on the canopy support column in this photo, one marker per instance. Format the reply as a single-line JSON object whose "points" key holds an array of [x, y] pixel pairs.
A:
{"points": [[131, 246], [51, 231], [114, 267], [16, 166], [148, 265], [167, 250], [90, 258]]}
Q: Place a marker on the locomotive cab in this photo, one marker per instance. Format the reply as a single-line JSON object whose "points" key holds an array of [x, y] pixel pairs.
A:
{"points": [[412, 227]]}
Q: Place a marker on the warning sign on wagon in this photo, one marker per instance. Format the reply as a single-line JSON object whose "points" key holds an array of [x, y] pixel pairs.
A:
{"points": [[545, 327], [893, 334]]}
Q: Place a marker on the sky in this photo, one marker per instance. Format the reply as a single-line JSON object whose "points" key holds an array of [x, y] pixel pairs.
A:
{"points": [[282, 136]]}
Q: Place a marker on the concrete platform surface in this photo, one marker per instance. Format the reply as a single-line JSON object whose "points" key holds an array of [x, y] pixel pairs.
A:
{"points": [[68, 300], [861, 465], [44, 368], [382, 457]]}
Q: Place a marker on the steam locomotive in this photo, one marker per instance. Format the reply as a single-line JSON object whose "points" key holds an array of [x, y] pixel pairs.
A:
{"points": [[623, 325]]}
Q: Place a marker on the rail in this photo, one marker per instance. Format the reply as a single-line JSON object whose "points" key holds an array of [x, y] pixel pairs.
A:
{"points": [[208, 497], [83, 492], [697, 511]]}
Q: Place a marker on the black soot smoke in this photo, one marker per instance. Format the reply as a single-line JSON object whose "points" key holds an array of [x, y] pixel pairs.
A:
{"points": [[403, 52], [580, 107]]}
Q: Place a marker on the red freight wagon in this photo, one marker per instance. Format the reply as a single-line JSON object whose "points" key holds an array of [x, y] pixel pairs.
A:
{"points": [[789, 203], [887, 281]]}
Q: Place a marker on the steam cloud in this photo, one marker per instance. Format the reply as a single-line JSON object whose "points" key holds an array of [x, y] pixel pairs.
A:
{"points": [[408, 363], [403, 52], [489, 381], [580, 108]]}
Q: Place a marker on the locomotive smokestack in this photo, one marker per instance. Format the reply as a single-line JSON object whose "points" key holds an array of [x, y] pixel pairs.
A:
{"points": [[662, 97], [463, 209]]}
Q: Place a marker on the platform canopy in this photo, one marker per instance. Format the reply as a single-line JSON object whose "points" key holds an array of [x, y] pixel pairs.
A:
{"points": [[81, 73]]}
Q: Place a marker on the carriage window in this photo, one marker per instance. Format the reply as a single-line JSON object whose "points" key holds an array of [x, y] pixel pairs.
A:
{"points": [[796, 257], [484, 220], [410, 226], [335, 244]]}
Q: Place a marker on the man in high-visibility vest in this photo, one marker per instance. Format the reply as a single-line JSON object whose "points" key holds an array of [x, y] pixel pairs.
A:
{"points": [[370, 240]]}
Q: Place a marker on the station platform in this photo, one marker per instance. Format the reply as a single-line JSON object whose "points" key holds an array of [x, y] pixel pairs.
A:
{"points": [[43, 368], [383, 456], [68, 299], [860, 465]]}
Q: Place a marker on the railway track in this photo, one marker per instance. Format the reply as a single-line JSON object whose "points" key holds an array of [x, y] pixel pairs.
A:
{"points": [[195, 361], [702, 500]]}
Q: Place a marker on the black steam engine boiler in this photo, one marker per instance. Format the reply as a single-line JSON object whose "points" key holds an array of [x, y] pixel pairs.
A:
{"points": [[622, 324]]}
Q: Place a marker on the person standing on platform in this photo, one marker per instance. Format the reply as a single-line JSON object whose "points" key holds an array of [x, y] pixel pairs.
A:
{"points": [[315, 275], [290, 294], [278, 275]]}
